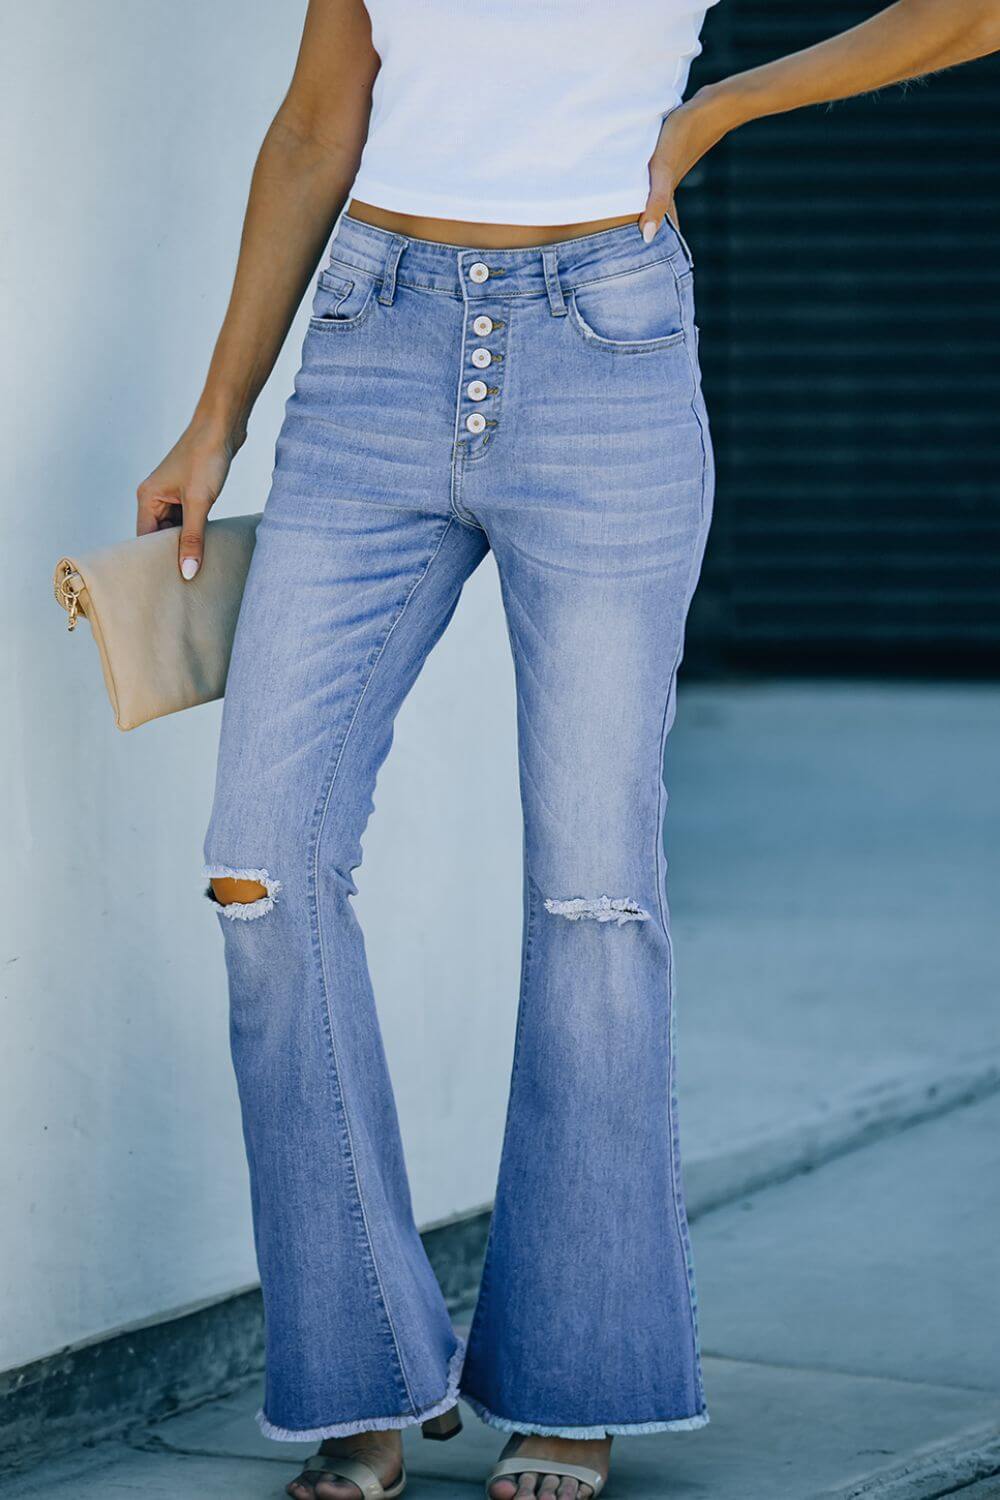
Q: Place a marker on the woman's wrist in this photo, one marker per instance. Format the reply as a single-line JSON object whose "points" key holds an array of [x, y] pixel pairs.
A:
{"points": [[219, 426], [725, 105]]}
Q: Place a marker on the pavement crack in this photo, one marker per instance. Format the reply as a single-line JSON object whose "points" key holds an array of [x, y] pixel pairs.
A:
{"points": [[846, 1374], [156, 1444], [962, 1465]]}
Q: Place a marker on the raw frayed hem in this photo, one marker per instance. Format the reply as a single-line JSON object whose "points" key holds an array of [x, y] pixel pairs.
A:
{"points": [[609, 1429], [371, 1424], [242, 911]]}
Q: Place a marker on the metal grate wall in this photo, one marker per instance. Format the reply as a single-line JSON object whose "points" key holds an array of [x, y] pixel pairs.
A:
{"points": [[848, 284]]}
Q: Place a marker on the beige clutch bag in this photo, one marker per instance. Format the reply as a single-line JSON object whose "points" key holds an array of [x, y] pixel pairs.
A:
{"points": [[164, 643]]}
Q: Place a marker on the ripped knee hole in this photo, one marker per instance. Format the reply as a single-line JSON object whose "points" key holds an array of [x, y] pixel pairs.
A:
{"points": [[227, 889], [241, 894], [617, 909]]}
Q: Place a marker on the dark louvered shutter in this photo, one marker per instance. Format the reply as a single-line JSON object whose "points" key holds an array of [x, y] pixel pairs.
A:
{"points": [[848, 282]]}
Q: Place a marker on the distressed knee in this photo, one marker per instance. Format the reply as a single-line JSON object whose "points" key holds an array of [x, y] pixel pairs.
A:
{"points": [[241, 894], [617, 909], [227, 889]]}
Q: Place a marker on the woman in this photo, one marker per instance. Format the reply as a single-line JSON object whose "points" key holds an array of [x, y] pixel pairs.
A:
{"points": [[502, 355]]}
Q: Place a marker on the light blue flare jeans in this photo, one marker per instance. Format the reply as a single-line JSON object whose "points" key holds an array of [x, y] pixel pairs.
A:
{"points": [[545, 404]]}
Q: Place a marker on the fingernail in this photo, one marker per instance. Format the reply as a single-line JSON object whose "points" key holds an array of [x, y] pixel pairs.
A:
{"points": [[189, 567], [648, 231]]}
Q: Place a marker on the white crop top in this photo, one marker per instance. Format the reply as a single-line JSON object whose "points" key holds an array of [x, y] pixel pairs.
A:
{"points": [[522, 111]]}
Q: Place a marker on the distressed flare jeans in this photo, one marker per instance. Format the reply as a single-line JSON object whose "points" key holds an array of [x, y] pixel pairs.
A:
{"points": [[544, 404]]}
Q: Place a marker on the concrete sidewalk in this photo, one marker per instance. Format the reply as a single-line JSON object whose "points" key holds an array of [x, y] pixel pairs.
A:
{"points": [[835, 859], [834, 874], [850, 1327]]}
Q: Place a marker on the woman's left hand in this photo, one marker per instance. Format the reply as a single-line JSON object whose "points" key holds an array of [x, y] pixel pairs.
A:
{"points": [[906, 40], [687, 133]]}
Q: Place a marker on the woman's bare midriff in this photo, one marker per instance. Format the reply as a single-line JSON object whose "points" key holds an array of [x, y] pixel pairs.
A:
{"points": [[477, 235]]}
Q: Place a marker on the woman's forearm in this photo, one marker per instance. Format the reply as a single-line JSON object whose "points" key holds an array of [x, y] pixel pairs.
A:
{"points": [[298, 188], [904, 41], [303, 174]]}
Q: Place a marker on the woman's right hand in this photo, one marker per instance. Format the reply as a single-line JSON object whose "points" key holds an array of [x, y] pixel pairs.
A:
{"points": [[182, 490]]}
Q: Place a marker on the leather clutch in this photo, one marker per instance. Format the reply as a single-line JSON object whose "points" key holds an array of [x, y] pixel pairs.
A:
{"points": [[164, 644]]}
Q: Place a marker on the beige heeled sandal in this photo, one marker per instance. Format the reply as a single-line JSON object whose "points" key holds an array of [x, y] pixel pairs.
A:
{"points": [[513, 1467], [355, 1471]]}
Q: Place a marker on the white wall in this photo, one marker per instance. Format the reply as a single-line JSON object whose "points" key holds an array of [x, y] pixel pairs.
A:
{"points": [[122, 1178]]}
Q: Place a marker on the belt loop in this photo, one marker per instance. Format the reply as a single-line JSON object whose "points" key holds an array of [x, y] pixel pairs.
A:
{"points": [[550, 264], [392, 258]]}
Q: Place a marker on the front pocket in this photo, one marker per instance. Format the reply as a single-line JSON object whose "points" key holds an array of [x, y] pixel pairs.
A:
{"points": [[341, 301], [634, 313]]}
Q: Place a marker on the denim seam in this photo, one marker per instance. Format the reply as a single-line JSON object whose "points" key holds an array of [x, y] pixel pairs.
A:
{"points": [[329, 281], [457, 464], [509, 292], [375, 277], [661, 260], [680, 1213], [621, 346], [688, 276], [457, 449], [346, 325], [680, 1216], [484, 1279], [322, 808]]}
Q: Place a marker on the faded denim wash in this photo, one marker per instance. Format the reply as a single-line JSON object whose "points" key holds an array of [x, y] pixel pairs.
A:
{"points": [[583, 461]]}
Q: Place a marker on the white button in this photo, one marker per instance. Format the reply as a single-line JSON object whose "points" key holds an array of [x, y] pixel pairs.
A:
{"points": [[481, 358], [482, 326], [479, 272], [475, 421], [476, 390]]}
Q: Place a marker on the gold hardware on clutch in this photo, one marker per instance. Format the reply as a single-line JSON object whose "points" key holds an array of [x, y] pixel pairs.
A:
{"points": [[68, 597]]}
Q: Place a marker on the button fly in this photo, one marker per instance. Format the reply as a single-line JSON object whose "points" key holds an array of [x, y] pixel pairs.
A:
{"points": [[478, 272], [483, 321]]}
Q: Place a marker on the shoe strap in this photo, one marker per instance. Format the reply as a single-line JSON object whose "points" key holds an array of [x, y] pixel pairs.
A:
{"points": [[509, 1467], [354, 1470]]}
